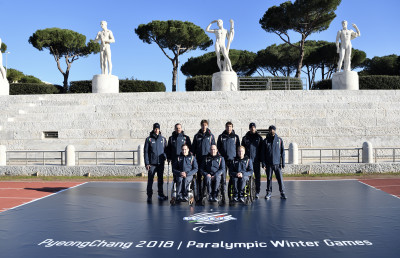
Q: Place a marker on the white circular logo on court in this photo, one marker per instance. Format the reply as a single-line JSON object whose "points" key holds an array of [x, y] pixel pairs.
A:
{"points": [[208, 218]]}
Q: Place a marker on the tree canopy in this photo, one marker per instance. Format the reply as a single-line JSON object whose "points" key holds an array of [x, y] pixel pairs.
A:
{"points": [[177, 36], [63, 43], [242, 63], [3, 47], [278, 60], [15, 76], [384, 65], [304, 17]]}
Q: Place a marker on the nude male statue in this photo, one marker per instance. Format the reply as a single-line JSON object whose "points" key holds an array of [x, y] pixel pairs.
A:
{"points": [[105, 37], [221, 34], [344, 49], [2, 70]]}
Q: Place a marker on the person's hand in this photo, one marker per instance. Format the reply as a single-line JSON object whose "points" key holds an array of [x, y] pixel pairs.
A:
{"points": [[355, 26], [239, 175], [148, 167], [264, 168], [281, 166], [183, 174], [208, 175], [169, 161]]}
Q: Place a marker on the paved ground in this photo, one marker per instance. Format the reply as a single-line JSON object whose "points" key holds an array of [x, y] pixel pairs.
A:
{"points": [[15, 193]]}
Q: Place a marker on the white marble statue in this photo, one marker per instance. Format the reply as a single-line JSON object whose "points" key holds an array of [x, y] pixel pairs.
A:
{"points": [[344, 48], [3, 74], [221, 34], [105, 37]]}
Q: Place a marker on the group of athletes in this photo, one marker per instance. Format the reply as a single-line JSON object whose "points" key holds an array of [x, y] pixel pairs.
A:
{"points": [[211, 159]]}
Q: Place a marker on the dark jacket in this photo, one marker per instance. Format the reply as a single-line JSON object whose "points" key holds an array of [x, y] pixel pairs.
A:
{"points": [[213, 165], [186, 164], [273, 151], [244, 166], [227, 144], [175, 143], [202, 143], [154, 149], [253, 144]]}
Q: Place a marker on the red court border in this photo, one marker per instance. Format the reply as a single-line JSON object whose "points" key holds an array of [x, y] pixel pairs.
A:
{"points": [[390, 186], [15, 194]]}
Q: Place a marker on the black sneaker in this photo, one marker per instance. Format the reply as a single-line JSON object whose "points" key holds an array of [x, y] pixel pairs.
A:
{"points": [[148, 198], [283, 196], [241, 199], [162, 197], [268, 196], [235, 199], [257, 195], [185, 199]]}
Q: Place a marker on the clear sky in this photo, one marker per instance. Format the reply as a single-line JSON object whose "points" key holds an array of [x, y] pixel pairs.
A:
{"points": [[378, 22]]}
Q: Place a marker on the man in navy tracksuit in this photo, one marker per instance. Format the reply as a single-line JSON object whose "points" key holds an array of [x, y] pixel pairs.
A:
{"points": [[252, 141], [273, 160], [175, 142], [184, 167], [227, 144], [240, 170], [212, 167], [201, 145], [154, 158]]}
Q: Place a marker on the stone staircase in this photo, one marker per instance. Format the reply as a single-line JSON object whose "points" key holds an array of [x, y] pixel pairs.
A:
{"points": [[314, 119]]}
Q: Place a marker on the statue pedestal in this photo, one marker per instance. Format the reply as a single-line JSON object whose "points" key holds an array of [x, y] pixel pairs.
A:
{"points": [[102, 83], [346, 80], [225, 81], [4, 87]]}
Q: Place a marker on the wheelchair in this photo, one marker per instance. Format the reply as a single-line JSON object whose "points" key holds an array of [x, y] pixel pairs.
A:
{"points": [[249, 191], [192, 192], [205, 194]]}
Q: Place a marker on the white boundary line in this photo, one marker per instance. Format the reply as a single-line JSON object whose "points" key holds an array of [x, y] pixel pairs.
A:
{"points": [[42, 198], [318, 180], [379, 189]]}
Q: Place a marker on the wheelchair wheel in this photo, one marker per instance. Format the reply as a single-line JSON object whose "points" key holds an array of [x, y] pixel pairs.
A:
{"points": [[221, 194], [173, 194], [193, 195], [230, 192], [252, 189]]}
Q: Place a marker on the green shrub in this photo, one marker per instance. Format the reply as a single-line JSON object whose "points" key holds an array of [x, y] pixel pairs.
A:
{"points": [[124, 86], [199, 83], [323, 85], [80, 86], [379, 82], [367, 82], [32, 88], [140, 86]]}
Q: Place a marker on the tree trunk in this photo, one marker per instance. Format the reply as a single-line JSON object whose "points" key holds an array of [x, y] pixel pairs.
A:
{"points": [[65, 83], [300, 64], [174, 72]]}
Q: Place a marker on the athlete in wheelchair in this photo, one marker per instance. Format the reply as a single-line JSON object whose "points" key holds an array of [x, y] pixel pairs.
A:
{"points": [[241, 187], [184, 167], [212, 167]]}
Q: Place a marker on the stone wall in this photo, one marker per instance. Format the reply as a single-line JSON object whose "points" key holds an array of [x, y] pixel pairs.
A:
{"points": [[313, 119], [137, 171]]}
